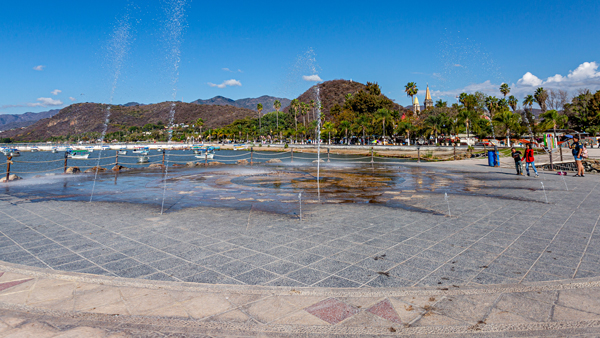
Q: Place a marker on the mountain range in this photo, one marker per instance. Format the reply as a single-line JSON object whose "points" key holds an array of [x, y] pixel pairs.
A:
{"points": [[248, 103], [217, 112], [12, 121]]}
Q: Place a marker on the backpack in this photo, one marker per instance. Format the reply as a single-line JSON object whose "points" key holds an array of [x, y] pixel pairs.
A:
{"points": [[584, 153]]}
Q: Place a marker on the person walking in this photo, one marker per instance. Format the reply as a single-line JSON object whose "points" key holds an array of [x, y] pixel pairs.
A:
{"points": [[529, 160], [577, 150], [516, 155]]}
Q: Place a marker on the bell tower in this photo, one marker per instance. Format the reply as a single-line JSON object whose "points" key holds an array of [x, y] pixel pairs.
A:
{"points": [[428, 103], [416, 106]]}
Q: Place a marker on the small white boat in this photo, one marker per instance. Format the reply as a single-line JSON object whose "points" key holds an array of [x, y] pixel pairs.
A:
{"points": [[141, 150], [122, 152], [54, 150], [34, 149], [209, 156], [11, 152], [143, 159], [90, 149], [240, 146], [78, 154]]}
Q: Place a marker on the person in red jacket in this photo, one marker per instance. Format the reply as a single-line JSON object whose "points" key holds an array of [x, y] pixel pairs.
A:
{"points": [[529, 160]]}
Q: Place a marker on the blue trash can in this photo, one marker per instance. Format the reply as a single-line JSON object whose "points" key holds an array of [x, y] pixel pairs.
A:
{"points": [[490, 158]]}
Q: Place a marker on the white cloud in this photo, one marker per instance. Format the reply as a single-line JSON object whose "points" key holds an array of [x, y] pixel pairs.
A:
{"points": [[41, 102], [39, 68], [72, 98], [231, 71], [529, 80], [56, 91], [459, 65], [312, 78], [586, 75], [230, 83], [45, 102]]}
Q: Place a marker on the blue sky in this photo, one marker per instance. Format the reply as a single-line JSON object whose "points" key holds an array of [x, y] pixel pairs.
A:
{"points": [[253, 48]]}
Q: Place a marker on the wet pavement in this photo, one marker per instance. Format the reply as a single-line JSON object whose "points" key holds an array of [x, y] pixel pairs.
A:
{"points": [[376, 252], [372, 227]]}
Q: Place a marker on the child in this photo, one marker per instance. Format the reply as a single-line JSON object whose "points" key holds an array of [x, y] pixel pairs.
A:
{"points": [[529, 160], [516, 155]]}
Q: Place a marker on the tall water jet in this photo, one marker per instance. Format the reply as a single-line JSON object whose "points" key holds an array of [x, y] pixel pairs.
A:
{"points": [[318, 102], [174, 25], [116, 52]]}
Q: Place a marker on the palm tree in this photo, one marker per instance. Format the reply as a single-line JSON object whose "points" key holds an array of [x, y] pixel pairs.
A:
{"points": [[513, 103], [441, 104], [433, 125], [508, 120], [329, 128], [540, 96], [528, 101], [259, 107], [277, 106], [411, 90], [491, 103], [303, 111], [405, 126], [199, 124], [313, 105], [554, 119], [467, 117], [294, 105], [504, 89], [382, 115], [345, 125]]}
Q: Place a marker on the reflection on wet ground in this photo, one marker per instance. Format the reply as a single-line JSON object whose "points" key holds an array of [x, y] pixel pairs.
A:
{"points": [[262, 187]]}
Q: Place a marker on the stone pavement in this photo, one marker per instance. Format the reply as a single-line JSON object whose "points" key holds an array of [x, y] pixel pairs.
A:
{"points": [[40, 303], [506, 263]]}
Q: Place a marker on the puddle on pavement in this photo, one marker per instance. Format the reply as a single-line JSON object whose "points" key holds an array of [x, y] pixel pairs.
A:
{"points": [[268, 188]]}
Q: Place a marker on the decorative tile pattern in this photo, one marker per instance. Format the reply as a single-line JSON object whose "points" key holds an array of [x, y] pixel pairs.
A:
{"points": [[384, 309], [332, 310], [7, 285]]}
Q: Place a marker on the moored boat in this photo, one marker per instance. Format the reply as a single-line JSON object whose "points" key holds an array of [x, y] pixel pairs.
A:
{"points": [[78, 154], [141, 150], [11, 152]]}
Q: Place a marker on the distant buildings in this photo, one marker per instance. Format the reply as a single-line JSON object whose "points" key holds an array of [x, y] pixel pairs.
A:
{"points": [[428, 101], [427, 104]]}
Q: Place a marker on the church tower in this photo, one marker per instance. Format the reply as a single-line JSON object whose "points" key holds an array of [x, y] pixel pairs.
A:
{"points": [[428, 101], [416, 106]]}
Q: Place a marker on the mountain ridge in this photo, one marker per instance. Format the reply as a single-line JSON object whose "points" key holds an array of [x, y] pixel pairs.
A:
{"points": [[248, 103], [11, 121]]}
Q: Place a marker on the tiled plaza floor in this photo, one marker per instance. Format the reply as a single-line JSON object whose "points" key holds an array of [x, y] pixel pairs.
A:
{"points": [[501, 231]]}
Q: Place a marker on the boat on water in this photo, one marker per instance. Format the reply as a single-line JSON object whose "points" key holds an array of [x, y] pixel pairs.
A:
{"points": [[11, 152], [206, 153], [197, 149], [141, 150], [240, 146], [54, 150], [122, 151], [90, 149], [34, 149], [208, 156], [78, 154], [143, 159]]}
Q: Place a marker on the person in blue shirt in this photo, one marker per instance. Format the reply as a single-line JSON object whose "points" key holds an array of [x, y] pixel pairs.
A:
{"points": [[577, 150]]}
